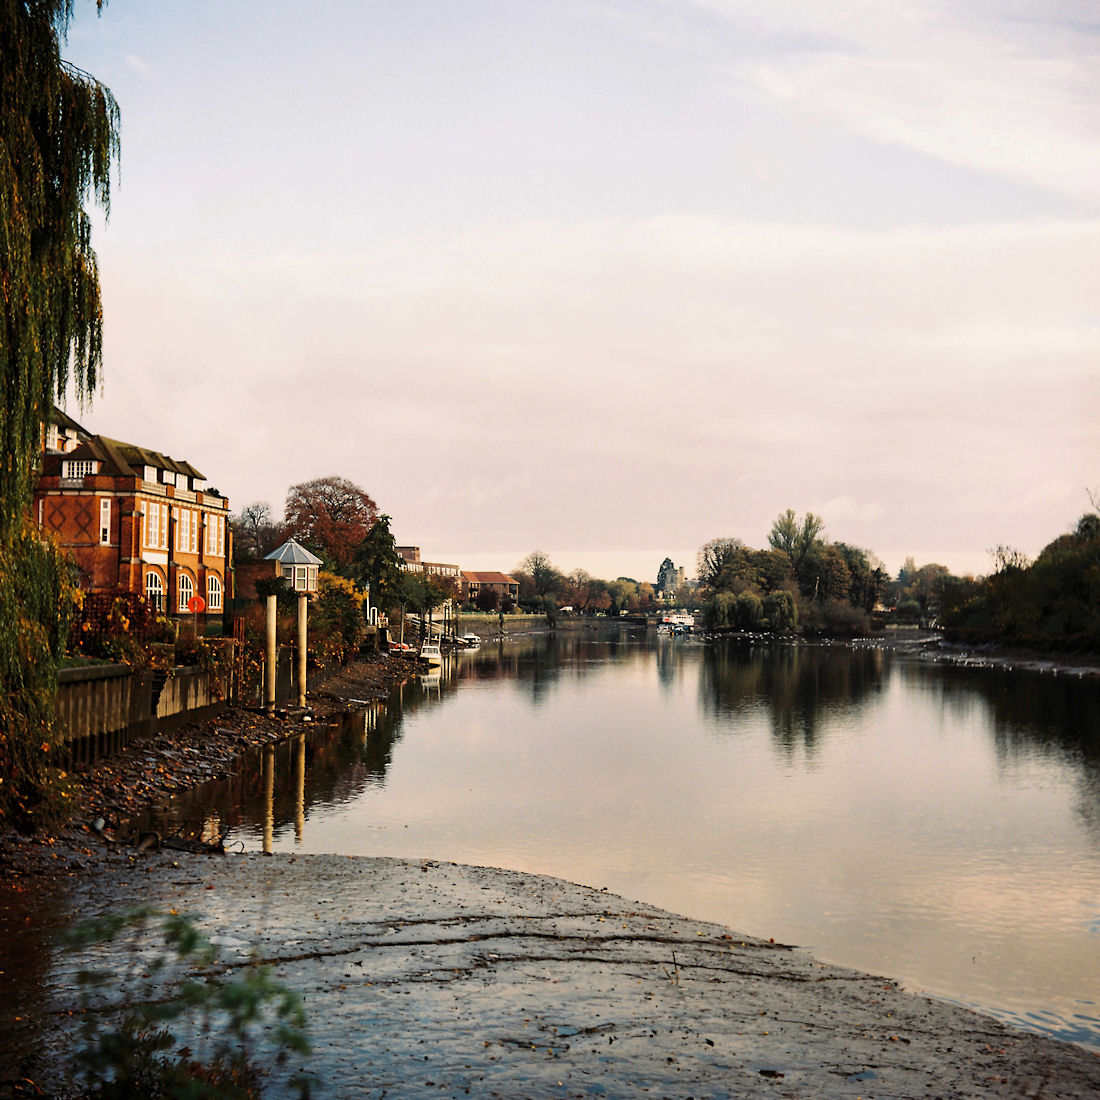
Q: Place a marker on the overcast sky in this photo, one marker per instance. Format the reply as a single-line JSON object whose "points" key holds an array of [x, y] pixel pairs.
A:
{"points": [[612, 278]]}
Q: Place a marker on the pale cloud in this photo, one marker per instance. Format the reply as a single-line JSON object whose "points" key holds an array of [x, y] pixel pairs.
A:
{"points": [[1012, 92], [145, 69], [702, 263]]}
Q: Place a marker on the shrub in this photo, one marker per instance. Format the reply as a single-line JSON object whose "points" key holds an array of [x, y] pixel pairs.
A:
{"points": [[134, 1051]]}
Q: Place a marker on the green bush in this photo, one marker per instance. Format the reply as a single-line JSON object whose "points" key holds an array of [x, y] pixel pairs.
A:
{"points": [[135, 1050]]}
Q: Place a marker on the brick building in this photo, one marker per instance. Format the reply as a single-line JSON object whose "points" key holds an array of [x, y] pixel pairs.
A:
{"points": [[136, 521], [473, 584]]}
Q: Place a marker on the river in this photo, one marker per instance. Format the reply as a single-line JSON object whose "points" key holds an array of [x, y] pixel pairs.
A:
{"points": [[934, 824]]}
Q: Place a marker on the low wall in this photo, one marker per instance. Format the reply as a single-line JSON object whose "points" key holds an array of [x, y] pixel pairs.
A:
{"points": [[101, 707]]}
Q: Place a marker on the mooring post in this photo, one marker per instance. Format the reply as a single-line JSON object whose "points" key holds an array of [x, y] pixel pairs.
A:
{"points": [[303, 603], [270, 670]]}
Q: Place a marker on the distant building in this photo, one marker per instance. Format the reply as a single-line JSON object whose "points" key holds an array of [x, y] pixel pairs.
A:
{"points": [[473, 584], [136, 521], [410, 556], [669, 578]]}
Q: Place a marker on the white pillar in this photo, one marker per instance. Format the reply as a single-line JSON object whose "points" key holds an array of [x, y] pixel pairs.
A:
{"points": [[270, 658], [303, 603]]}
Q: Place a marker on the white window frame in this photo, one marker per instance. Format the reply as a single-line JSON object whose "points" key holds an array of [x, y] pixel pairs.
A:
{"points": [[213, 592], [75, 469], [194, 532], [104, 521], [185, 588], [152, 525], [154, 590]]}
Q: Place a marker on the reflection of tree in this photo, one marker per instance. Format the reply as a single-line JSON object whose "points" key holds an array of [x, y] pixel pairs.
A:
{"points": [[536, 664], [340, 761], [1033, 715], [670, 661], [799, 685]]}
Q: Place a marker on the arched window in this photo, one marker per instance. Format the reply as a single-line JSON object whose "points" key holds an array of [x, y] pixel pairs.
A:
{"points": [[213, 592], [187, 590], [154, 591]]}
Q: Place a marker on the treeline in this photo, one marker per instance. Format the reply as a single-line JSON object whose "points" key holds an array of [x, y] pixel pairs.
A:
{"points": [[545, 588], [1052, 603], [801, 583], [805, 584]]}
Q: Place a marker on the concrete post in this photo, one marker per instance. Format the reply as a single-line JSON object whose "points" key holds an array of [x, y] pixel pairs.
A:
{"points": [[270, 659], [303, 603]]}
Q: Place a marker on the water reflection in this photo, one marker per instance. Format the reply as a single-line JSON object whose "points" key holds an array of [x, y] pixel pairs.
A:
{"points": [[931, 823], [1032, 716], [276, 788], [799, 687]]}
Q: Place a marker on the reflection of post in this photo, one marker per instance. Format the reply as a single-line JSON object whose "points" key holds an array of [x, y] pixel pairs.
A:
{"points": [[270, 670], [300, 788], [269, 799], [303, 601]]}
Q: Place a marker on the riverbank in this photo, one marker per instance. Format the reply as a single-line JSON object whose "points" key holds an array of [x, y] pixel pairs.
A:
{"points": [[433, 979], [107, 795], [426, 978], [931, 646]]}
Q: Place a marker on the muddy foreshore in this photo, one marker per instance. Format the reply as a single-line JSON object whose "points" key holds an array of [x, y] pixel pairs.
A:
{"points": [[432, 979]]}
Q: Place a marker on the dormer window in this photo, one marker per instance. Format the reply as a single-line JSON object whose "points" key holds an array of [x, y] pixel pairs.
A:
{"points": [[168, 477], [75, 469]]}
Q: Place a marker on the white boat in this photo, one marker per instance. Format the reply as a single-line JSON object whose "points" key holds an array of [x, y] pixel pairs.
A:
{"points": [[470, 641], [431, 653]]}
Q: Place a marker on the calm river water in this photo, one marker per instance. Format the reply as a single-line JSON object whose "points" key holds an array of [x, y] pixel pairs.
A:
{"points": [[934, 824]]}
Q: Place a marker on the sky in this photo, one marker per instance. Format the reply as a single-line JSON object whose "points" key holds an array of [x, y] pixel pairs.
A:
{"points": [[612, 278]]}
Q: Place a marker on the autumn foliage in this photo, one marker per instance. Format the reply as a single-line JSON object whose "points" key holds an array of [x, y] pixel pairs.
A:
{"points": [[331, 516]]}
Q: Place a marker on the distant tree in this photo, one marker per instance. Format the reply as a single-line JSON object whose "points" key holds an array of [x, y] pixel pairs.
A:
{"points": [[1008, 558], [488, 599], [376, 562], [796, 539], [781, 611], [715, 556], [1088, 526], [547, 579], [582, 590], [621, 593], [331, 516], [527, 596], [255, 533]]}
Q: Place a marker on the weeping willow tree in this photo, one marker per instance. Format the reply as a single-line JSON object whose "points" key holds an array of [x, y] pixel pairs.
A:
{"points": [[58, 141]]}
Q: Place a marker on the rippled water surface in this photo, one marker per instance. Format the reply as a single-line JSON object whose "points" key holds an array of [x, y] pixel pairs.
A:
{"points": [[934, 824]]}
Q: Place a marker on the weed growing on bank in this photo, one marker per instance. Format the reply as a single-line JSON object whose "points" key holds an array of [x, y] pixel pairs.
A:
{"points": [[177, 1024]]}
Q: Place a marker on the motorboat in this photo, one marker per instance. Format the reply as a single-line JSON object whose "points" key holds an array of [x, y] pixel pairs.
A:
{"points": [[470, 641], [431, 654]]}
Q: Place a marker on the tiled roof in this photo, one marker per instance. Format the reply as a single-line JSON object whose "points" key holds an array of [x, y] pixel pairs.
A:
{"points": [[487, 578], [127, 460]]}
